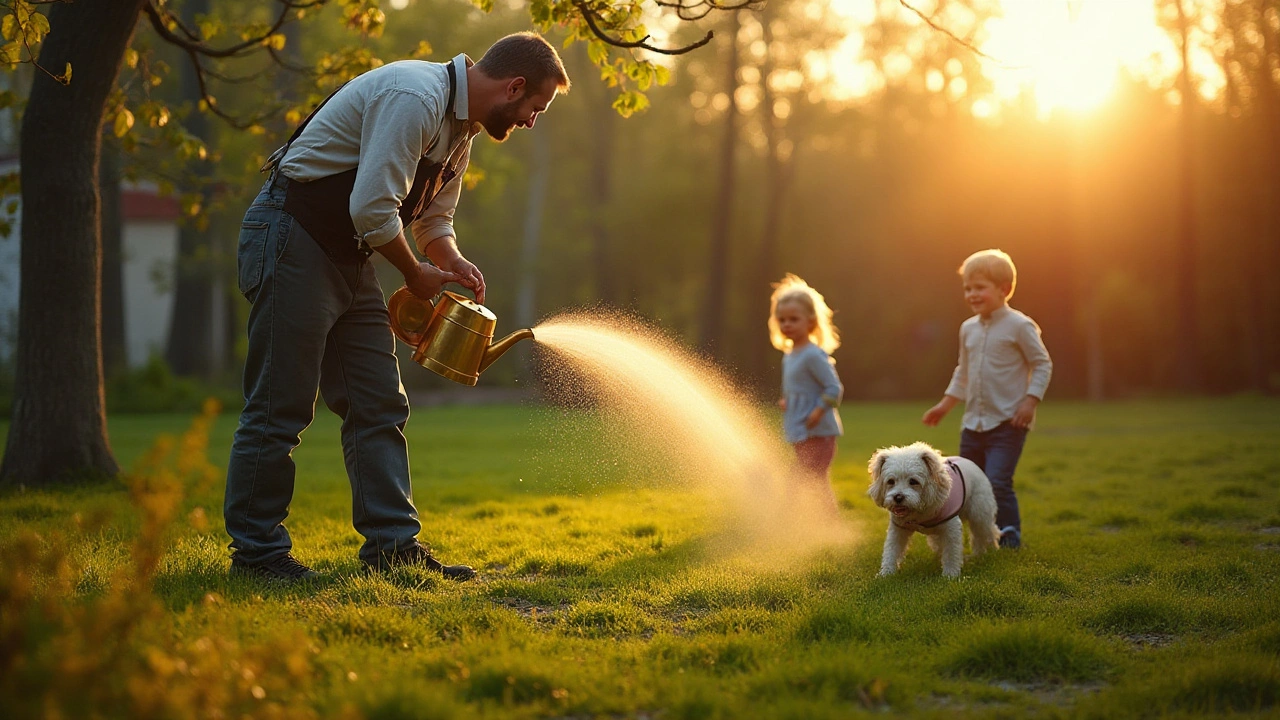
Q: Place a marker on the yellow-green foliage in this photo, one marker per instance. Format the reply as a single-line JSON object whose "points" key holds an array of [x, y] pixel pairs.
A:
{"points": [[118, 653]]}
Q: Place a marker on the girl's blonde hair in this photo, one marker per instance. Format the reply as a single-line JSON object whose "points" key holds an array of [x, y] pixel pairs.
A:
{"points": [[793, 289]]}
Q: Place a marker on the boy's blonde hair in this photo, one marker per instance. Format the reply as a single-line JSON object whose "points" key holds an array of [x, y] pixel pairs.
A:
{"points": [[994, 265], [793, 289]]}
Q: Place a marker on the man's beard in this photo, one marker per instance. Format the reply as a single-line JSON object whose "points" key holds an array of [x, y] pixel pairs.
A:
{"points": [[502, 120]]}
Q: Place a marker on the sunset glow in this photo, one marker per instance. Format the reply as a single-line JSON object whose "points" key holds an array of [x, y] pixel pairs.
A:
{"points": [[1064, 54]]}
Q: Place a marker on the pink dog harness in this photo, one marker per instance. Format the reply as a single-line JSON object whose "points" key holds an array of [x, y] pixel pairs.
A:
{"points": [[951, 508]]}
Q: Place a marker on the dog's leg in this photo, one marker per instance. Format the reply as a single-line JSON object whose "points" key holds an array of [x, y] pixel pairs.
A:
{"points": [[951, 541], [983, 536], [895, 546]]}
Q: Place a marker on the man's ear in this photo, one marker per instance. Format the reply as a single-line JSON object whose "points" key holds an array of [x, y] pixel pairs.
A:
{"points": [[515, 88]]}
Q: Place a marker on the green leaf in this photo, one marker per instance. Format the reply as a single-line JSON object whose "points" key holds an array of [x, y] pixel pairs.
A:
{"points": [[9, 27], [275, 41], [131, 58], [37, 28], [124, 122], [597, 52], [7, 99], [66, 75], [661, 74]]}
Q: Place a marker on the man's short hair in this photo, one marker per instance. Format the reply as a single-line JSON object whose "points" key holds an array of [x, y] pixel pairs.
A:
{"points": [[994, 265], [526, 55]]}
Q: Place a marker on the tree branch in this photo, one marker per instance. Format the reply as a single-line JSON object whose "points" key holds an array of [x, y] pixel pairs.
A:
{"points": [[592, 20], [158, 15], [702, 8], [965, 43]]}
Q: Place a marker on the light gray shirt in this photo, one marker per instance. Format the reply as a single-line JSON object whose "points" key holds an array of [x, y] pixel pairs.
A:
{"points": [[383, 122], [1002, 360], [808, 380]]}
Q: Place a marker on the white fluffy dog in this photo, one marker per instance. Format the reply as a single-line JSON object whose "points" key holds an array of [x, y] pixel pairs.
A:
{"points": [[926, 493]]}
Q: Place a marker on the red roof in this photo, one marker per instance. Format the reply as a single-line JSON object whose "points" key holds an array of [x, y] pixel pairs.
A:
{"points": [[139, 204]]}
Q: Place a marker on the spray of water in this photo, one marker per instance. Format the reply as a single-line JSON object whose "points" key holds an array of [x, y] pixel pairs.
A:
{"points": [[665, 407]]}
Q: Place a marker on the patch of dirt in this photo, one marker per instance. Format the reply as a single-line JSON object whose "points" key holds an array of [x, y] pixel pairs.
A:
{"points": [[1267, 547], [1047, 693], [1270, 530], [530, 610], [1145, 641]]}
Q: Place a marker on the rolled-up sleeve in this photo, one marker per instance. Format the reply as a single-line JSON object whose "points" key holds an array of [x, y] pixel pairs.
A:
{"points": [[1037, 355], [960, 377], [393, 137], [822, 369], [437, 220]]}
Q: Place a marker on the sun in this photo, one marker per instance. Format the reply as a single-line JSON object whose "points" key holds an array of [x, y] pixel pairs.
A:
{"points": [[1069, 53], [1064, 54]]}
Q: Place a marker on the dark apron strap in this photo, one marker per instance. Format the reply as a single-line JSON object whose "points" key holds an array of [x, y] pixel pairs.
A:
{"points": [[278, 156], [322, 206]]}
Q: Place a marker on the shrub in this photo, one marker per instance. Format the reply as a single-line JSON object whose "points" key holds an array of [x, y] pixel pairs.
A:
{"points": [[117, 648]]}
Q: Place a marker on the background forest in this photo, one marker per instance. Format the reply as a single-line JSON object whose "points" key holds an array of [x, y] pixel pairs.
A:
{"points": [[846, 141]]}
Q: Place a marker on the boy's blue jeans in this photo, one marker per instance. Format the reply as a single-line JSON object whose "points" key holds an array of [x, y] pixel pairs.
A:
{"points": [[996, 451], [314, 325]]}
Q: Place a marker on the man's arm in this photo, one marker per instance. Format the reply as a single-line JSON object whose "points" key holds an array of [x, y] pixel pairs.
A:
{"points": [[422, 279]]}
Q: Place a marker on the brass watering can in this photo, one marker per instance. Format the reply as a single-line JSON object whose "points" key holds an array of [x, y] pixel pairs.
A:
{"points": [[452, 337]]}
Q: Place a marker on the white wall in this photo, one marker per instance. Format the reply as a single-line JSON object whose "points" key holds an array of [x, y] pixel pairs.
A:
{"points": [[150, 257], [150, 253]]}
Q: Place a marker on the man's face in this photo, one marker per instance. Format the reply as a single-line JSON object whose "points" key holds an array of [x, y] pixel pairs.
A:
{"points": [[521, 108]]}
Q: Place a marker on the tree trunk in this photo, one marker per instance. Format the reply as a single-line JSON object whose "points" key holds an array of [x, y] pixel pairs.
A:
{"points": [[1267, 262], [189, 350], [535, 209], [59, 428], [776, 177], [718, 258], [604, 130], [114, 356], [1188, 328]]}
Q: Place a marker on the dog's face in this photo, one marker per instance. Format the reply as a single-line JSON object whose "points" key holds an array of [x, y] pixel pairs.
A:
{"points": [[909, 481]]}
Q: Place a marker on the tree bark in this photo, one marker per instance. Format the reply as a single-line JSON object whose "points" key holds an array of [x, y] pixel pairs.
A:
{"points": [[59, 428], [189, 350], [776, 177], [718, 257], [604, 130], [114, 354]]}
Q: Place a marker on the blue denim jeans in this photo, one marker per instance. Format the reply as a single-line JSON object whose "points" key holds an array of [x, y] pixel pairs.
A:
{"points": [[996, 451], [314, 325]]}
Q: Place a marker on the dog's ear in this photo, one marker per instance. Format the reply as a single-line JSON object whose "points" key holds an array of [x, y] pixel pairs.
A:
{"points": [[875, 467], [938, 485]]}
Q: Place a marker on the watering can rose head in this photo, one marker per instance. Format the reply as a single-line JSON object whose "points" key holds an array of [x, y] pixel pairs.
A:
{"points": [[452, 337]]}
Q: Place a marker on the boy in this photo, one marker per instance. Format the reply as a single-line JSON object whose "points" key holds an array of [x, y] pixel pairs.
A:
{"points": [[1001, 377]]}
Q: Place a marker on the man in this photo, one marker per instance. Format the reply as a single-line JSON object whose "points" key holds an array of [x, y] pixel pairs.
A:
{"points": [[385, 151]]}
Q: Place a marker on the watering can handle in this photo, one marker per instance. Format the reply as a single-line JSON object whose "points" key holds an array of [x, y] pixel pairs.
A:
{"points": [[409, 316]]}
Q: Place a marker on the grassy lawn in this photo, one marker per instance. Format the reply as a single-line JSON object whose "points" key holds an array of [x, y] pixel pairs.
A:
{"points": [[1147, 586]]}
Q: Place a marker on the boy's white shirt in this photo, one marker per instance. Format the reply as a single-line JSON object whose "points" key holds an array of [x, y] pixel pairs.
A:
{"points": [[1002, 360]]}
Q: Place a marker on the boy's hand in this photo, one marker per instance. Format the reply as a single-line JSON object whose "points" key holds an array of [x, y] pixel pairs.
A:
{"points": [[815, 417], [1026, 412], [934, 415]]}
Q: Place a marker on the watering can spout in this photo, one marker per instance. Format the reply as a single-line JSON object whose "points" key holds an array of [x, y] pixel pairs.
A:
{"points": [[496, 350]]}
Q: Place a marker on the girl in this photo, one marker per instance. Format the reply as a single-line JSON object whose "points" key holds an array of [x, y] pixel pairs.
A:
{"points": [[800, 326]]}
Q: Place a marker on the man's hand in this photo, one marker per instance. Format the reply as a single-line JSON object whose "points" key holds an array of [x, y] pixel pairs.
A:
{"points": [[1026, 412], [469, 276], [429, 280], [782, 404], [815, 417]]}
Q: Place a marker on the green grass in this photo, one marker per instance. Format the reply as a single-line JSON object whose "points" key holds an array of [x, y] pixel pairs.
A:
{"points": [[1147, 587]]}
